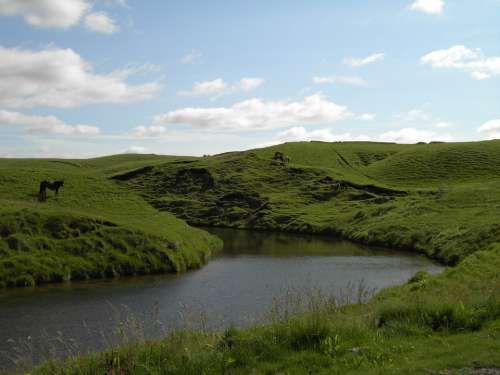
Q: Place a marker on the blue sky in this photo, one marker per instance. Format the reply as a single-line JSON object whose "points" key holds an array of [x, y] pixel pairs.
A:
{"points": [[82, 78]]}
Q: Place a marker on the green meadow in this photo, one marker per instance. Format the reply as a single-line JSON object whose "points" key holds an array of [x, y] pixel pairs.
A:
{"points": [[92, 229], [128, 215]]}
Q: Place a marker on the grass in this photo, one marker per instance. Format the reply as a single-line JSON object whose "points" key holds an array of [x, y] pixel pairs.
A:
{"points": [[433, 323], [93, 229], [441, 199]]}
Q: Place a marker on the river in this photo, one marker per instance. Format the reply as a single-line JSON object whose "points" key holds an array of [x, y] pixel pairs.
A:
{"points": [[240, 286]]}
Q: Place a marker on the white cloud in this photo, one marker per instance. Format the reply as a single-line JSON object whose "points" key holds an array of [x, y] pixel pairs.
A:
{"points": [[46, 13], [428, 6], [249, 84], [490, 129], [56, 77], [100, 22], [252, 114], [60, 14], [464, 59], [418, 118], [154, 131], [347, 80], [45, 124], [299, 133], [219, 87], [192, 57], [412, 135], [135, 150], [357, 62], [367, 117]]}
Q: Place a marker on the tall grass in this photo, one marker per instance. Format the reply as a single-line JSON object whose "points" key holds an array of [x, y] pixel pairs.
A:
{"points": [[286, 316]]}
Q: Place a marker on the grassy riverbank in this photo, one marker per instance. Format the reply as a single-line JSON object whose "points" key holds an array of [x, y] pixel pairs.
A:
{"points": [[447, 324], [93, 229], [439, 199]]}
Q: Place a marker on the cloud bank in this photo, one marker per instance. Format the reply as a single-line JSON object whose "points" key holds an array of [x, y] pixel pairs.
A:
{"points": [[219, 87], [464, 59], [61, 78], [252, 114], [490, 129], [101, 22], [412, 135], [428, 6], [45, 124], [61, 14]]}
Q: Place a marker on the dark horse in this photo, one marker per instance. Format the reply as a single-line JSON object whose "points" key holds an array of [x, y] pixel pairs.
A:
{"points": [[44, 185], [280, 157]]}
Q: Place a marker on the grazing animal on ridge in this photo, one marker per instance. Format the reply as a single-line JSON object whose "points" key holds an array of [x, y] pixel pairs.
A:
{"points": [[280, 157], [44, 185]]}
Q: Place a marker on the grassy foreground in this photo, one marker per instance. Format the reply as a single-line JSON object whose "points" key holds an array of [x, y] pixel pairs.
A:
{"points": [[93, 229], [439, 199], [448, 324]]}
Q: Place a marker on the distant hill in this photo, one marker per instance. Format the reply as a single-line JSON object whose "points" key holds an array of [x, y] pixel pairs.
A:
{"points": [[441, 199]]}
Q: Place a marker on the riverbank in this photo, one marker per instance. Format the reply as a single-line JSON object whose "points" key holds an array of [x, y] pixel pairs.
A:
{"points": [[255, 276], [445, 324]]}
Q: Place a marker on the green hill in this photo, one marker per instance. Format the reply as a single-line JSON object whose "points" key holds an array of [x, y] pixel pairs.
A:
{"points": [[115, 215], [440, 165], [439, 199], [93, 229]]}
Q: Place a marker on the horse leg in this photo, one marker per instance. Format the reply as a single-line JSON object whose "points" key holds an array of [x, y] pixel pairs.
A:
{"points": [[42, 196], [41, 192]]}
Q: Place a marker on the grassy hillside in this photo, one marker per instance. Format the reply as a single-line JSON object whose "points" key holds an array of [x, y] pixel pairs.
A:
{"points": [[439, 199], [94, 228]]}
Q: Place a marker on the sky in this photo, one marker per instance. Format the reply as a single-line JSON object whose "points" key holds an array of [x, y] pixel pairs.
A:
{"points": [[84, 78]]}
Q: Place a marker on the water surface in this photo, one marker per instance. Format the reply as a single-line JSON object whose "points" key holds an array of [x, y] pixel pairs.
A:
{"points": [[237, 287]]}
